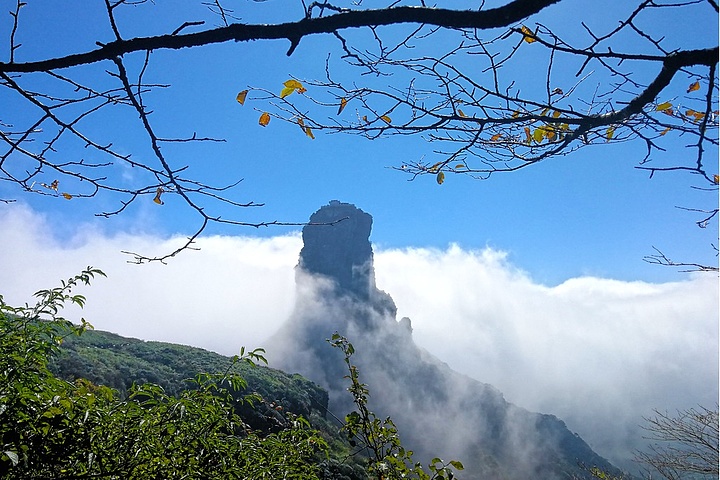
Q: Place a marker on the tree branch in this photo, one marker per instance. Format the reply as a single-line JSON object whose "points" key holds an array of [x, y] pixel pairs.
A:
{"points": [[506, 15]]}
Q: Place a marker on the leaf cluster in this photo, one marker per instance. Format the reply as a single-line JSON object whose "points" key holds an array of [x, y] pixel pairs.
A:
{"points": [[379, 438], [52, 428]]}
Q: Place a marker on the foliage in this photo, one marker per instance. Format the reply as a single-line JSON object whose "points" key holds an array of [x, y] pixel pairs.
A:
{"points": [[51, 428], [378, 438]]}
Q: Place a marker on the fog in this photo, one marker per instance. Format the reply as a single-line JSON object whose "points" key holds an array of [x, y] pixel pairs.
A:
{"points": [[598, 353]]}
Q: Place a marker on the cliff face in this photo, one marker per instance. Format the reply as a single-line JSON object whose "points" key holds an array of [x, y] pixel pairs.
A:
{"points": [[438, 411]]}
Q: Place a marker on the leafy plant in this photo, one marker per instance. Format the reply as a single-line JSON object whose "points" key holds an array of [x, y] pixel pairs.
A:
{"points": [[378, 438], [51, 428]]}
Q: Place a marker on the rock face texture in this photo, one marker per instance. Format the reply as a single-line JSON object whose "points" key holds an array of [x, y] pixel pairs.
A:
{"points": [[438, 411]]}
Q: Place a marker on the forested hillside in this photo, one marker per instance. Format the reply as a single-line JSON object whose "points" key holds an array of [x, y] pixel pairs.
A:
{"points": [[118, 362]]}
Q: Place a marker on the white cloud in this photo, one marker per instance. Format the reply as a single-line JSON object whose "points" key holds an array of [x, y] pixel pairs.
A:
{"points": [[598, 353], [235, 291]]}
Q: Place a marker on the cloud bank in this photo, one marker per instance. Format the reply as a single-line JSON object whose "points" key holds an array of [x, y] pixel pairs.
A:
{"points": [[598, 353]]}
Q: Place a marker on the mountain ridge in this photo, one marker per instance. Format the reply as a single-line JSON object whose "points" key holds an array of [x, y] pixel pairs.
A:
{"points": [[438, 411]]}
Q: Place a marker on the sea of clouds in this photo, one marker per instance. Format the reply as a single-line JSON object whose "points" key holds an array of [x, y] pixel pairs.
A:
{"points": [[598, 353]]}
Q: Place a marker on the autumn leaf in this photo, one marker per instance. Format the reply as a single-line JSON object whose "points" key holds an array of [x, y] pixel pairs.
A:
{"points": [[67, 196], [716, 179], [365, 119], [528, 35], [291, 86], [294, 84], [515, 114], [385, 119], [460, 166], [54, 185], [697, 116], [665, 131], [157, 199], [693, 87], [556, 114], [264, 119], [663, 106], [241, 97], [440, 178], [301, 122], [309, 133], [461, 113], [528, 137], [496, 137], [538, 135], [343, 102], [435, 167], [609, 133], [286, 91]]}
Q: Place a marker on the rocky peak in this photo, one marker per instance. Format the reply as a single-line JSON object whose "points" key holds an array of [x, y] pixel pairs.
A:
{"points": [[336, 244]]}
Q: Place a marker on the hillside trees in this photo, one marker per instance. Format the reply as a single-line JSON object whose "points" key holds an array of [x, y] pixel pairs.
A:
{"points": [[494, 88], [50, 428], [55, 429]]}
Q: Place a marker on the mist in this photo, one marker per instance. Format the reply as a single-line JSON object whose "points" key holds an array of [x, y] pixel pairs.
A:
{"points": [[598, 353]]}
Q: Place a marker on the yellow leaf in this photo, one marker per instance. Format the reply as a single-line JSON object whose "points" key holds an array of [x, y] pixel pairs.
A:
{"points": [[158, 192], [385, 119], [460, 166], [461, 113], [67, 196], [293, 84], [665, 131], [241, 97], [538, 135], [434, 168], [343, 102], [264, 119], [693, 87], [286, 91], [550, 134], [440, 178], [609, 133], [528, 35], [496, 137], [515, 114], [716, 179], [309, 133], [663, 106], [556, 114]]}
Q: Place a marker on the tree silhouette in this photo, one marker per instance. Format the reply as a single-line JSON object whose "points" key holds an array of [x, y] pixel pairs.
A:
{"points": [[492, 89]]}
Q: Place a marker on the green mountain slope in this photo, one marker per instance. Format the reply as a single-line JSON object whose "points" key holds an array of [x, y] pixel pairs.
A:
{"points": [[108, 359]]}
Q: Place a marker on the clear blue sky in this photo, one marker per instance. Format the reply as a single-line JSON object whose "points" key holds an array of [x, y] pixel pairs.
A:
{"points": [[590, 213]]}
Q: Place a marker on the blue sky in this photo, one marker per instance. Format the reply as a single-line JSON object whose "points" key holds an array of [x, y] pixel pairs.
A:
{"points": [[542, 268], [590, 213]]}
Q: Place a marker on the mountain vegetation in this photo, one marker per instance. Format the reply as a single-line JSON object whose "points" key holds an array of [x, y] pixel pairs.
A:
{"points": [[215, 425]]}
